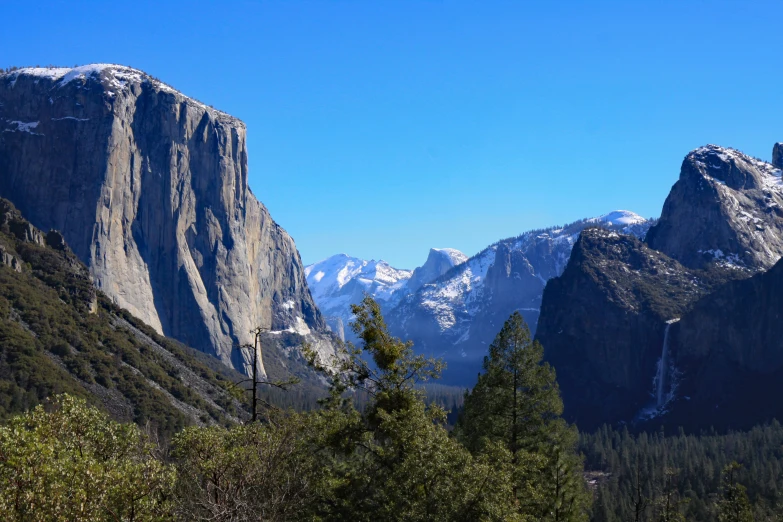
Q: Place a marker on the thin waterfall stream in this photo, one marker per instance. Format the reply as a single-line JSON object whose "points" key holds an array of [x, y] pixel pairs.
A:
{"points": [[663, 367]]}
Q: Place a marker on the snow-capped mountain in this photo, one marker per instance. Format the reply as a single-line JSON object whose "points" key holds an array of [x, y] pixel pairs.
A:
{"points": [[341, 280], [457, 315], [682, 328]]}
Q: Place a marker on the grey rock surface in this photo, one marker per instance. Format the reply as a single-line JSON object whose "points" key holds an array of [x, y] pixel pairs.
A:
{"points": [[149, 188], [727, 208], [777, 155], [439, 261]]}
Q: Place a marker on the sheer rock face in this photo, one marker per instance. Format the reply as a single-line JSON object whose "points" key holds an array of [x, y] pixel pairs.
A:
{"points": [[726, 207], [149, 188], [603, 321], [728, 354], [439, 261]]}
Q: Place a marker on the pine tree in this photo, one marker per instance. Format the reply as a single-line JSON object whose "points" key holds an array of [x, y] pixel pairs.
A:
{"points": [[516, 402], [733, 505], [669, 505], [394, 460]]}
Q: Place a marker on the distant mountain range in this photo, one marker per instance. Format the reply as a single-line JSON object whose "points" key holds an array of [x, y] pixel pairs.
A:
{"points": [[452, 307], [341, 280]]}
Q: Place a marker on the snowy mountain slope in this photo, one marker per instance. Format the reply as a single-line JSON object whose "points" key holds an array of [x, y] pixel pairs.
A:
{"points": [[341, 280], [457, 315]]}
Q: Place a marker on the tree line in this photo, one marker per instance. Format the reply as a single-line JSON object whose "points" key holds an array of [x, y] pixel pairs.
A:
{"points": [[509, 458], [389, 457], [709, 477]]}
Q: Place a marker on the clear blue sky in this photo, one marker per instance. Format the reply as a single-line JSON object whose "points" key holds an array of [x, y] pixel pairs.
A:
{"points": [[382, 128]]}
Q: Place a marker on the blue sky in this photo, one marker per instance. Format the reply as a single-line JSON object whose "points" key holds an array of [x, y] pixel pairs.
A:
{"points": [[383, 128]]}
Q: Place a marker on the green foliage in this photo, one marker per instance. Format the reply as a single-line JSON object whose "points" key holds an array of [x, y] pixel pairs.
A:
{"points": [[395, 460], [74, 463], [733, 505], [252, 472], [630, 467], [516, 403]]}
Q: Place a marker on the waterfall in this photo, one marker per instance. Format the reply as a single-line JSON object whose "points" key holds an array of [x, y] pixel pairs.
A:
{"points": [[663, 367]]}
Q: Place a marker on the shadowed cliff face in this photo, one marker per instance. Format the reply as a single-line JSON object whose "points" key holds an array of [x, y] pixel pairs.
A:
{"points": [[729, 351], [603, 321], [149, 188]]}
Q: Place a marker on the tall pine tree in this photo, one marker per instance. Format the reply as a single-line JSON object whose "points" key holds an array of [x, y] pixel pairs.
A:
{"points": [[516, 402], [733, 506]]}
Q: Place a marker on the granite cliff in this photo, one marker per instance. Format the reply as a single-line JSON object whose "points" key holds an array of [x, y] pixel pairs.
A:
{"points": [[619, 325], [727, 353], [726, 207], [149, 188]]}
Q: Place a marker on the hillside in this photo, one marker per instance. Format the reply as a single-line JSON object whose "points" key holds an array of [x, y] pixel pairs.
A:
{"points": [[59, 334]]}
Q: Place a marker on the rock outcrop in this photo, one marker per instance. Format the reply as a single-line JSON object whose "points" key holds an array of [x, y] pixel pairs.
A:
{"points": [[149, 188], [727, 208], [439, 261], [604, 322]]}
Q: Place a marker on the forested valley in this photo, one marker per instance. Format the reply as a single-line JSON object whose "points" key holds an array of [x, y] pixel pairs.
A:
{"points": [[393, 455]]}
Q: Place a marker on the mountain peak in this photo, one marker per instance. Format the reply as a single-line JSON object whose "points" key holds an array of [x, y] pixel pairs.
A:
{"points": [[621, 217], [732, 168], [114, 78], [439, 261], [726, 207]]}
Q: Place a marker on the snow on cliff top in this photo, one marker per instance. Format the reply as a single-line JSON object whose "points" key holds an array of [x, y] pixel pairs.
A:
{"points": [[120, 76], [770, 176], [455, 256]]}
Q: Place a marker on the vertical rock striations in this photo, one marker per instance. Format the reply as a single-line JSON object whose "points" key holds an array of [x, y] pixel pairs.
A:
{"points": [[149, 188]]}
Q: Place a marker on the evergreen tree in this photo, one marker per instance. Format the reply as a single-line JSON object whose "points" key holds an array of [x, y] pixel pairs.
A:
{"points": [[516, 402], [733, 505], [395, 460], [669, 505]]}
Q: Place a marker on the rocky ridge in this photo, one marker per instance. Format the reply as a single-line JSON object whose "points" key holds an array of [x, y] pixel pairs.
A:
{"points": [[458, 314], [341, 280], [604, 321], [149, 187]]}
